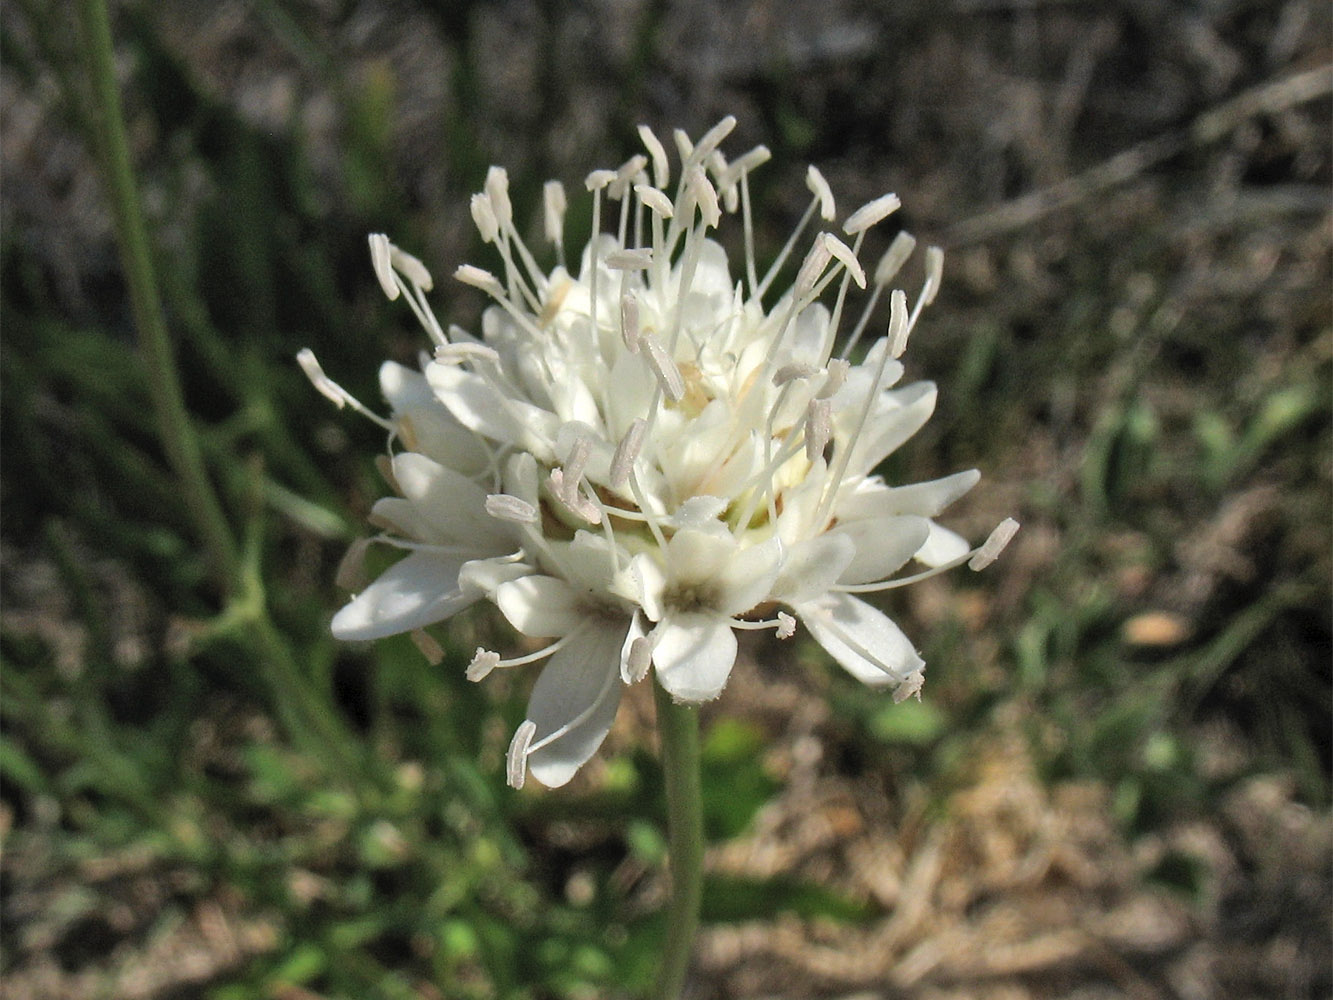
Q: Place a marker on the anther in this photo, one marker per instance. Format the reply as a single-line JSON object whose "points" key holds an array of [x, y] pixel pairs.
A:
{"points": [[504, 507], [788, 373], [629, 322], [638, 661], [639, 259], [411, 268], [818, 428], [458, 353], [470, 274], [599, 179], [898, 326], [497, 190], [622, 462], [714, 136], [992, 547], [706, 197], [351, 573], [786, 625], [483, 215], [812, 267], [894, 258], [663, 367], [553, 203], [871, 213], [837, 375], [661, 165], [655, 200], [516, 763], [326, 387], [483, 662], [429, 648], [934, 272], [814, 180], [380, 261], [844, 254]]}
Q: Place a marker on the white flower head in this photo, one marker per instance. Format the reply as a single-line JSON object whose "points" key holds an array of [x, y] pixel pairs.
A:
{"points": [[636, 460]]}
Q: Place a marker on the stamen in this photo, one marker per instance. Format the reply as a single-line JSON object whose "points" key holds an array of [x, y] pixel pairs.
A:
{"points": [[992, 547], [335, 393], [351, 573], [497, 190], [847, 258], [625, 175], [410, 268], [430, 649], [658, 202], [639, 660], [814, 180], [705, 197], [871, 213], [504, 507], [894, 258], [380, 261], [684, 147], [457, 354], [797, 370], [837, 375], [812, 267], [622, 462], [661, 165], [554, 204], [639, 259], [899, 327], [565, 492], [578, 720], [483, 662], [713, 137], [629, 322], [579, 452], [470, 274], [516, 763], [819, 428], [483, 215], [663, 367], [934, 273]]}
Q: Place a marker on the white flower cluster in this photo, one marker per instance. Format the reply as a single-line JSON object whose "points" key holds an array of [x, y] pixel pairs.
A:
{"points": [[636, 461]]}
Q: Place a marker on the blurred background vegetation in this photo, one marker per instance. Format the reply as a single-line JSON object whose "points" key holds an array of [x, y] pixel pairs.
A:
{"points": [[1118, 783]]}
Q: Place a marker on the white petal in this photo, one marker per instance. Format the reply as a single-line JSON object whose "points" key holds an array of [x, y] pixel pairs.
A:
{"points": [[417, 591], [481, 576], [583, 677], [874, 499], [540, 605], [404, 388], [451, 503], [942, 546], [695, 556], [812, 567], [651, 584], [883, 545], [476, 404], [747, 578], [694, 655], [853, 632], [895, 417]]}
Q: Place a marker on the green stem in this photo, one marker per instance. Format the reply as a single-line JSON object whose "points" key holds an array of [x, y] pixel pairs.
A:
{"points": [[173, 421], [678, 728]]}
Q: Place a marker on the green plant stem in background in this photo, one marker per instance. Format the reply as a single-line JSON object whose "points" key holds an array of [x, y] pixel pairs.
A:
{"points": [[678, 728], [308, 714], [173, 420]]}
